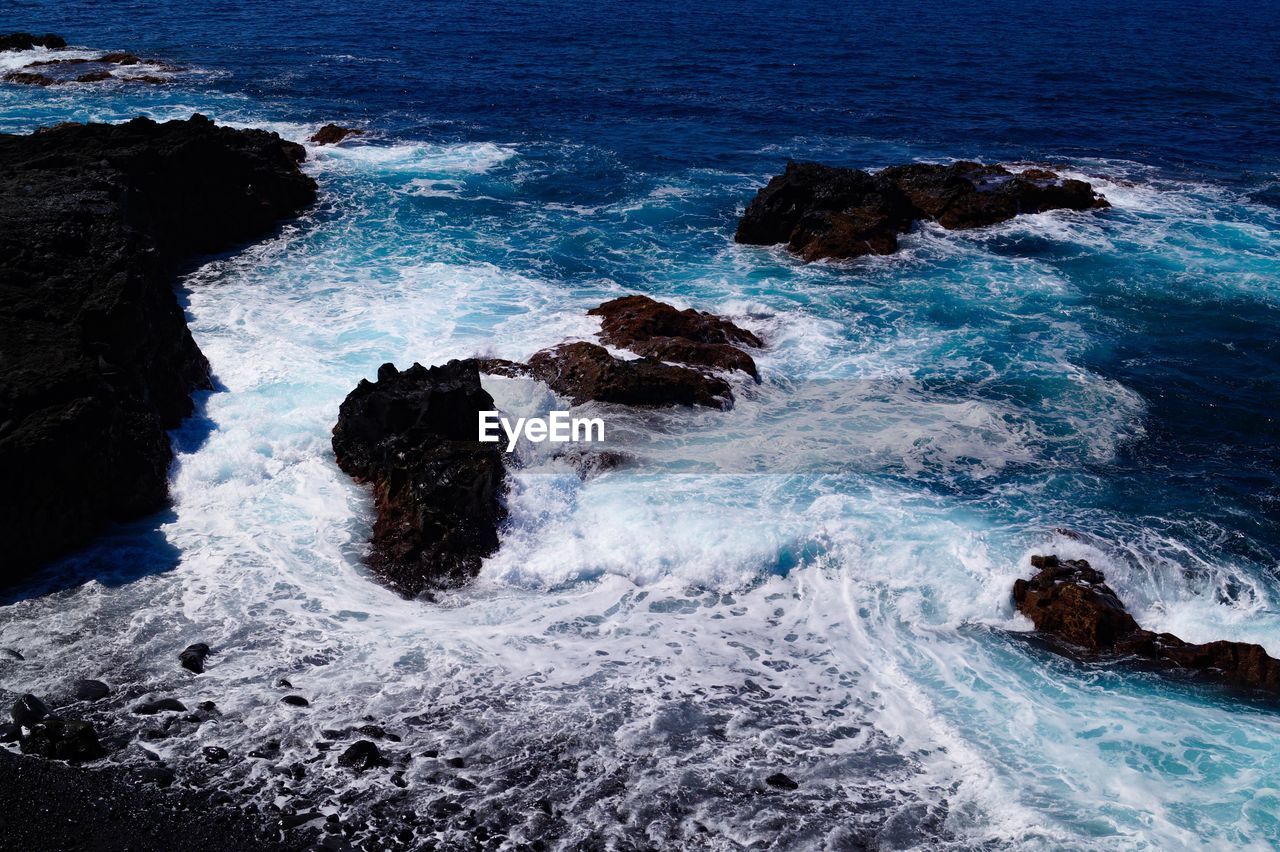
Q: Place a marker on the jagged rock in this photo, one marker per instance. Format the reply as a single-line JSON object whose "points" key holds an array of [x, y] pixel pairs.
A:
{"points": [[193, 656], [161, 705], [96, 361], [782, 781], [28, 710], [332, 134], [69, 740], [91, 690], [27, 41], [827, 212], [1070, 601], [437, 488], [652, 328], [585, 371], [362, 755]]}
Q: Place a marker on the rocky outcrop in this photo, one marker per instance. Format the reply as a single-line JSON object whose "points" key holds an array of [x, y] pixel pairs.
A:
{"points": [[332, 134], [95, 358], [827, 212], [658, 330], [437, 489], [27, 41], [586, 372], [1070, 601]]}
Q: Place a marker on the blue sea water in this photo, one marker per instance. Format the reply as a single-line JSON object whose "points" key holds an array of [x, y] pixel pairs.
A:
{"points": [[814, 582]]}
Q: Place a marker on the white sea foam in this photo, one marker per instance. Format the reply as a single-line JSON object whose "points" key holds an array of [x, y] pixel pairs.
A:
{"points": [[798, 585]]}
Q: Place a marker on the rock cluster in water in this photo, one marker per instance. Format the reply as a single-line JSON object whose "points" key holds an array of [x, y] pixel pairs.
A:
{"points": [[58, 70], [332, 134], [96, 361], [682, 351], [828, 212], [1070, 601], [437, 488]]}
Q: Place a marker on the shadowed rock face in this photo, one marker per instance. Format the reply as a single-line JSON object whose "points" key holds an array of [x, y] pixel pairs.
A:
{"points": [[826, 212], [652, 328], [95, 358], [1071, 602], [437, 489]]}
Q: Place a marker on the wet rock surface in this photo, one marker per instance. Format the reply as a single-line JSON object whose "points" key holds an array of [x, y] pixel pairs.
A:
{"points": [[437, 489], [52, 806], [652, 328], [586, 372], [193, 656], [1070, 601], [823, 211], [332, 134], [96, 361]]}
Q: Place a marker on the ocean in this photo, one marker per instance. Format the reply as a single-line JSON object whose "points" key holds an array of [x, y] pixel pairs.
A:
{"points": [[815, 582]]}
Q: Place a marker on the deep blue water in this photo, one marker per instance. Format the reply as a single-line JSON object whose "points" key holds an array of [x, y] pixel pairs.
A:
{"points": [[926, 420]]}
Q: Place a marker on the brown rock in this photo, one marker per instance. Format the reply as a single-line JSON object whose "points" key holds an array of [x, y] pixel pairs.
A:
{"points": [[1071, 602], [658, 330], [827, 212], [119, 58], [584, 371], [332, 134]]}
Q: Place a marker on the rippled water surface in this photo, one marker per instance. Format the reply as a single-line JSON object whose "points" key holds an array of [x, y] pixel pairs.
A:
{"points": [[815, 582]]}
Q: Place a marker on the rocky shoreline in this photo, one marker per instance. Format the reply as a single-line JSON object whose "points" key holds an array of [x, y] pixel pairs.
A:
{"points": [[96, 361]]}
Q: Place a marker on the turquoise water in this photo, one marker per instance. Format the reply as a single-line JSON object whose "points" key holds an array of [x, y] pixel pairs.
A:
{"points": [[816, 581]]}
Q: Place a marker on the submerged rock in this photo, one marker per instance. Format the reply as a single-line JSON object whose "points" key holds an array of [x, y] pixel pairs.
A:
{"points": [[828, 212], [160, 705], [193, 657], [214, 754], [361, 756], [91, 690], [1070, 601], [782, 781], [70, 740], [332, 134], [295, 701], [588, 372], [27, 41], [437, 489], [96, 361]]}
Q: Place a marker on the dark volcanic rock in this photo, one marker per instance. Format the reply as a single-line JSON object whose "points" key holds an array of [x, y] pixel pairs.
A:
{"points": [[782, 781], [214, 754], [26, 41], [95, 358], [827, 212], [91, 690], [193, 657], [69, 740], [361, 756], [119, 58], [655, 329], [28, 710], [438, 490], [1071, 602], [584, 371], [332, 134], [295, 701], [161, 705]]}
